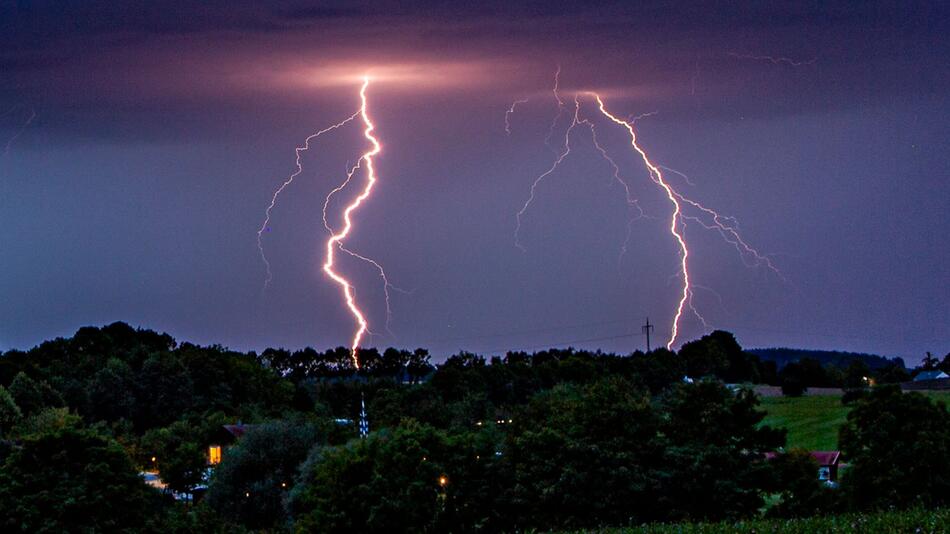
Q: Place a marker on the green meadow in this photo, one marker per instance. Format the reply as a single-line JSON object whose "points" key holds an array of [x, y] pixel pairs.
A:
{"points": [[813, 421]]}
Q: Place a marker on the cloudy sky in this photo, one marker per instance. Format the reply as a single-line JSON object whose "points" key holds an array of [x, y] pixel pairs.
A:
{"points": [[142, 141]]}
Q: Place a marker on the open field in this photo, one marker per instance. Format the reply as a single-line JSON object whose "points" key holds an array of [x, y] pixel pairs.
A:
{"points": [[813, 421], [922, 521]]}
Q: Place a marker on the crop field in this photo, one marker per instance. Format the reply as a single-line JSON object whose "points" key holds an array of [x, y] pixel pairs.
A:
{"points": [[916, 521]]}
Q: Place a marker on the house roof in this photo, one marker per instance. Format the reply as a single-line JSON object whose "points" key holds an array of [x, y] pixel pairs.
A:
{"points": [[826, 457], [930, 375], [822, 457], [238, 430]]}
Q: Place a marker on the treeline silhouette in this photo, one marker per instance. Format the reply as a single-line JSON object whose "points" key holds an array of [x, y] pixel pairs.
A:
{"points": [[553, 439]]}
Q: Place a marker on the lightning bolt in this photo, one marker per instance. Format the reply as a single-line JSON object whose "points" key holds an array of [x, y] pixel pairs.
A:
{"points": [[557, 161], [387, 286], [694, 77], [632, 119], [336, 238], [631, 201], [726, 226], [775, 60], [684, 208], [560, 108], [29, 120], [290, 179], [676, 225], [510, 110]]}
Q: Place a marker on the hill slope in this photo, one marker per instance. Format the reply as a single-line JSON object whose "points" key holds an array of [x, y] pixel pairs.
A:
{"points": [[783, 356]]}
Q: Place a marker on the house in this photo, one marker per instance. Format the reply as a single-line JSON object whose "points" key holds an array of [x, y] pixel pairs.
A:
{"points": [[226, 436], [931, 375], [829, 463]]}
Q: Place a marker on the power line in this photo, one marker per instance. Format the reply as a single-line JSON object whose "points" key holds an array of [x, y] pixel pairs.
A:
{"points": [[563, 343], [522, 332]]}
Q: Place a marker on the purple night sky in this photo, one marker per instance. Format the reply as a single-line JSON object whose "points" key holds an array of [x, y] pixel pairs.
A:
{"points": [[142, 141]]}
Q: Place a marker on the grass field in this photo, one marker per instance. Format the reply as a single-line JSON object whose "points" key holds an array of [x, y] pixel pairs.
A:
{"points": [[813, 422], [910, 521]]}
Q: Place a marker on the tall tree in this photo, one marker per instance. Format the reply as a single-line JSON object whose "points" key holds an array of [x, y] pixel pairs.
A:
{"points": [[9, 412], [65, 478], [256, 473], [898, 448]]}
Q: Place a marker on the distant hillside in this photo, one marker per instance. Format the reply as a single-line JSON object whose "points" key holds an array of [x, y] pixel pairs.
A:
{"points": [[783, 356]]}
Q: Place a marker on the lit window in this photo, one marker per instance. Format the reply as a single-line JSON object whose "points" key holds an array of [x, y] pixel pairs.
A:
{"points": [[214, 454]]}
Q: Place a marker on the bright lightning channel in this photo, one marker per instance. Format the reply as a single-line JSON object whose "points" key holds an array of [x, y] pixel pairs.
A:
{"points": [[707, 218], [336, 238], [676, 225]]}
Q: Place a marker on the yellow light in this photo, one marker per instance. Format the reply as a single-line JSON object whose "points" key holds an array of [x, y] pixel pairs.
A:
{"points": [[153, 458], [443, 481], [214, 454]]}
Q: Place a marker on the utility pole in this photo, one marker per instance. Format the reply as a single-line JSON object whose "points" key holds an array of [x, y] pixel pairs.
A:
{"points": [[646, 330]]}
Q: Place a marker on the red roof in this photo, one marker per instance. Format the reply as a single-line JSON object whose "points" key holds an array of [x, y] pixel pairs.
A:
{"points": [[238, 430], [826, 457], [822, 457]]}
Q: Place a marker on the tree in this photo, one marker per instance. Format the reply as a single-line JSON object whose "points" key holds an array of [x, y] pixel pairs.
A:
{"points": [[582, 456], [792, 379], [892, 373], [714, 443], [9, 411], [658, 370], [945, 364], [67, 478], [418, 365], [898, 447], [250, 484], [857, 375], [179, 452], [388, 482], [112, 392], [32, 396], [704, 357], [719, 354]]}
